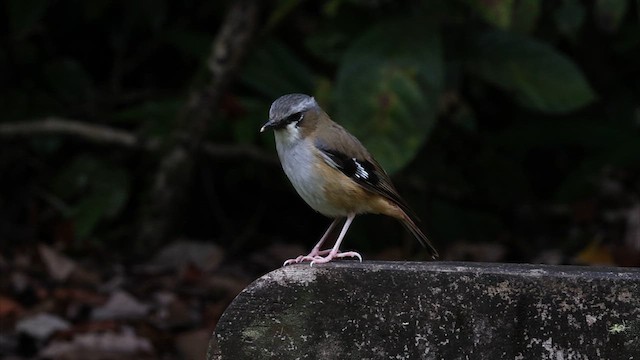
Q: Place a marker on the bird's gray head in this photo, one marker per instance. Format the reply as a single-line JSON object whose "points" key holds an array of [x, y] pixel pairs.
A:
{"points": [[287, 109]]}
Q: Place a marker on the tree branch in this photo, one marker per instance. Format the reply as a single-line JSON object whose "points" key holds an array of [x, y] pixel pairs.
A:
{"points": [[162, 212], [58, 126], [101, 134], [227, 51]]}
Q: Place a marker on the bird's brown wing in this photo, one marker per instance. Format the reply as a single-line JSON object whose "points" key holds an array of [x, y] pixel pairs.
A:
{"points": [[348, 155]]}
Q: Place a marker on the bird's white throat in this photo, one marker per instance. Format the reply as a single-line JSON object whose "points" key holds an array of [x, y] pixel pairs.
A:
{"points": [[289, 136]]}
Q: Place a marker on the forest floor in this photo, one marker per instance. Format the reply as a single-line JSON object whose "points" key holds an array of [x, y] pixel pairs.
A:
{"points": [[58, 305]]}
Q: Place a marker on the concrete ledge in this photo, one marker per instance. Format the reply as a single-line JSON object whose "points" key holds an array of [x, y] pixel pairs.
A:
{"points": [[434, 310]]}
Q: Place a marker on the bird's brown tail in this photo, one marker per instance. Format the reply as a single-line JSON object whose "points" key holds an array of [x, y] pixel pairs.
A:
{"points": [[418, 234]]}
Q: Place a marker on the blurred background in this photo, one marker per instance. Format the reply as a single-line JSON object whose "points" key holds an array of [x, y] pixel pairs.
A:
{"points": [[137, 197]]}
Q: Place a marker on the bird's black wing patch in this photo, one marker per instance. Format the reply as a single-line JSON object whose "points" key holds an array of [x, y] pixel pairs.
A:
{"points": [[362, 171], [367, 174]]}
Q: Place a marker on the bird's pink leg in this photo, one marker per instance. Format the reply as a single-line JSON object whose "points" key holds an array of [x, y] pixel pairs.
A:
{"points": [[316, 249], [335, 251]]}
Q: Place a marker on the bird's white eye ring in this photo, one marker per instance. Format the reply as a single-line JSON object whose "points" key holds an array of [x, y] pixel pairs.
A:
{"points": [[293, 118], [299, 119]]}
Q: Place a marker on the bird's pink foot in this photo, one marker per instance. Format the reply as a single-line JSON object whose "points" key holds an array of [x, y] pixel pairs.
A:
{"points": [[338, 255], [317, 257], [309, 257]]}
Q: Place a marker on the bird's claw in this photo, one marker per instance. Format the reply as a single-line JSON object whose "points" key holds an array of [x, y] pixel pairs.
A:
{"points": [[318, 259], [293, 261], [326, 259]]}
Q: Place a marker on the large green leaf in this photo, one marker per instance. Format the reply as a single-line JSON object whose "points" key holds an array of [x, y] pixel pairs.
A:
{"points": [[539, 77], [95, 190], [387, 88], [409, 43], [274, 70], [569, 18], [609, 13], [526, 14], [496, 12], [24, 15]]}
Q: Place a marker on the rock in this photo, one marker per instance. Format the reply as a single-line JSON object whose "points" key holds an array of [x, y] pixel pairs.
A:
{"points": [[434, 310]]}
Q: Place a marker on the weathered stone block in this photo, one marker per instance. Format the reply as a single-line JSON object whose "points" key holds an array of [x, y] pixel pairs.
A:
{"points": [[434, 310]]}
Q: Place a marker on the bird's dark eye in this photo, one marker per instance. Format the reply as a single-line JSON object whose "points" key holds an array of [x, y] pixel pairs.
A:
{"points": [[293, 118]]}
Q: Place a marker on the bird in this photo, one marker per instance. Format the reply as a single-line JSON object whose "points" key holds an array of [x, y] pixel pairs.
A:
{"points": [[333, 173]]}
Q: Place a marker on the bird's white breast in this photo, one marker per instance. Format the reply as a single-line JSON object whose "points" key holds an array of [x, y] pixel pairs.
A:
{"points": [[298, 159]]}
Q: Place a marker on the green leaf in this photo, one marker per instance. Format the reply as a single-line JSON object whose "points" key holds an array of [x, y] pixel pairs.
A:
{"points": [[327, 44], [88, 212], [94, 189], [24, 14], [537, 75], [609, 13], [387, 87], [495, 12], [410, 43], [274, 70], [525, 15], [569, 18], [280, 11]]}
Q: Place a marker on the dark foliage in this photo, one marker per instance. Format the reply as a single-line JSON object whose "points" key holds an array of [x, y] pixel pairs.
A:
{"points": [[505, 122]]}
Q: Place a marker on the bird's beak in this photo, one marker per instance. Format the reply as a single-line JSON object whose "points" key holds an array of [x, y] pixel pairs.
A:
{"points": [[266, 126]]}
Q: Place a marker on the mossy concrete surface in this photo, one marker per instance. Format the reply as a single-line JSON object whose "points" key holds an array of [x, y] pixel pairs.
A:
{"points": [[434, 310]]}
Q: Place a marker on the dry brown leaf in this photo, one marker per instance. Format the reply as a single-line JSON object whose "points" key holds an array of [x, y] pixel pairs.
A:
{"points": [[41, 326], [9, 307], [595, 253], [175, 256], [98, 345], [58, 265], [193, 345], [121, 305]]}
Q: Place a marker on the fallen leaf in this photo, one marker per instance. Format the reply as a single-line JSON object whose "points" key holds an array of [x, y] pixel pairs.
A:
{"points": [[41, 326], [10, 310], [87, 327], [175, 256], [58, 265], [173, 313], [120, 305], [9, 307], [595, 253], [102, 345], [82, 296], [193, 345]]}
